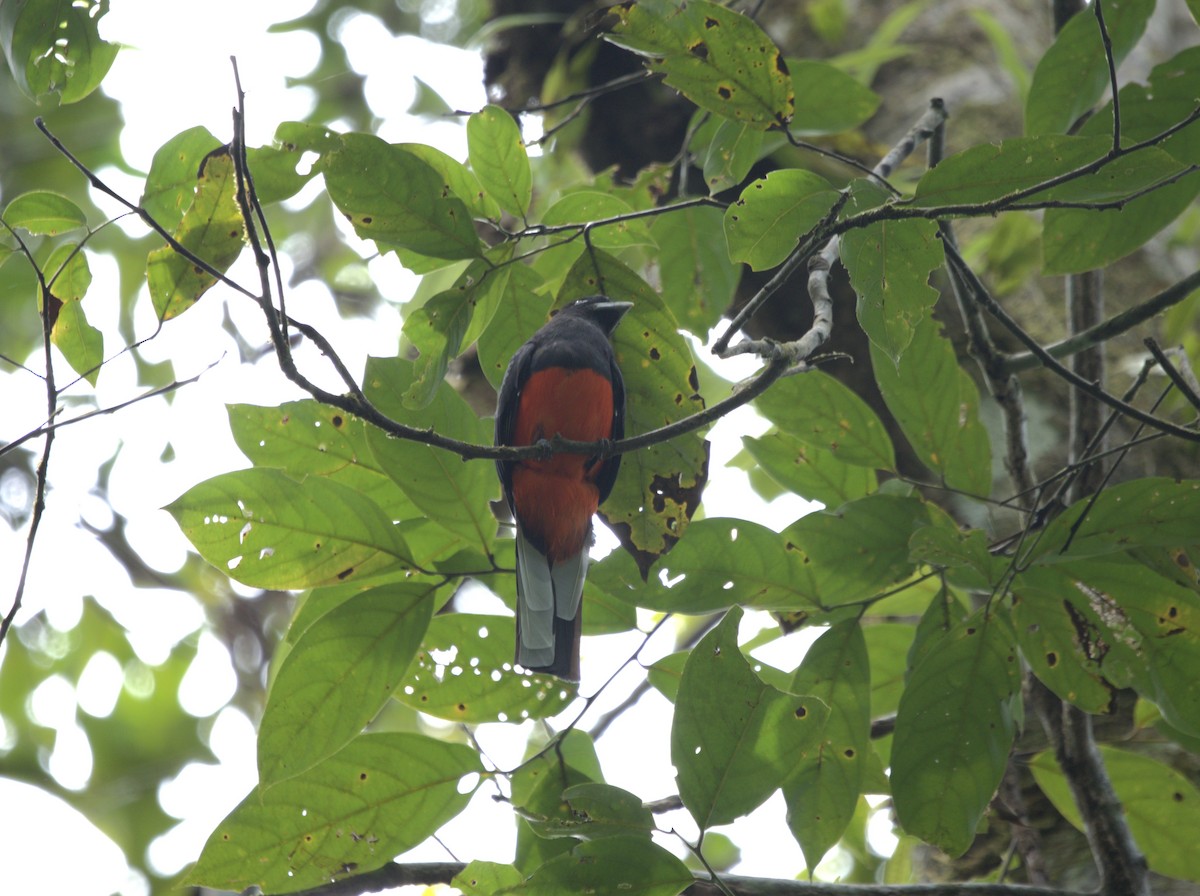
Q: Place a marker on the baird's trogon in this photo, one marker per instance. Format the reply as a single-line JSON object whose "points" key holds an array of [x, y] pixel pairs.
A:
{"points": [[564, 381]]}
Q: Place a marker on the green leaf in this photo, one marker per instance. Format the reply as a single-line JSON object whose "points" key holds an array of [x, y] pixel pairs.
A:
{"points": [[462, 181], [598, 811], [55, 47], [68, 277], [729, 149], [1153, 511], [308, 438], [698, 277], [380, 796], [771, 216], [990, 172], [1161, 805], [438, 328], [820, 411], [937, 405], [487, 879], [855, 551], [393, 197], [273, 169], [43, 213], [658, 489], [1141, 629], [716, 57], [171, 184], [523, 313], [211, 229], [498, 155], [735, 739], [887, 645], [719, 563], [450, 491], [584, 206], [954, 729], [810, 472], [833, 101], [1055, 640], [464, 674], [889, 264], [1077, 240], [537, 788], [338, 675], [823, 791], [81, 343], [267, 530], [1073, 74], [609, 867]]}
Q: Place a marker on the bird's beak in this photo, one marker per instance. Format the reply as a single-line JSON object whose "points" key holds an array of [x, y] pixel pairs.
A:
{"points": [[610, 313]]}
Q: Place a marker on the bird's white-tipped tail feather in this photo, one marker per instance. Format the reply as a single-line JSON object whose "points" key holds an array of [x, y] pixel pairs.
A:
{"points": [[544, 593]]}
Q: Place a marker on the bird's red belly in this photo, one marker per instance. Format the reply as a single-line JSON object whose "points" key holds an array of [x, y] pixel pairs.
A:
{"points": [[556, 498]]}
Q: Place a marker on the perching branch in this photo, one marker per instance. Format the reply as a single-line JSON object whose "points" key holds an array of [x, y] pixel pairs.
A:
{"points": [[428, 873]]}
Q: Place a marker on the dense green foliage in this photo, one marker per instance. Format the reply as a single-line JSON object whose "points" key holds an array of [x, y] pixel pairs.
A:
{"points": [[938, 587]]}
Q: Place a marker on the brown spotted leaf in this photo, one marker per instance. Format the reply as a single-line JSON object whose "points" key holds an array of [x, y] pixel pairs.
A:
{"points": [[716, 57], [211, 229]]}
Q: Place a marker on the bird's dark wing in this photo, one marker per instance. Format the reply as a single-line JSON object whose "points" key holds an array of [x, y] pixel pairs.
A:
{"points": [[507, 404]]}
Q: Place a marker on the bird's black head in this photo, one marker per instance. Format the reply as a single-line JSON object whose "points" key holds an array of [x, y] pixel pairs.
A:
{"points": [[600, 310]]}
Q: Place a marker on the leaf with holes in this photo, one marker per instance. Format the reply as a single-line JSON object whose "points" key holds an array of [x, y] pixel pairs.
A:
{"points": [[658, 489], [55, 47], [822, 792], [210, 229], [719, 563], [735, 739], [464, 673], [380, 796], [338, 675], [954, 728], [451, 492], [716, 57], [265, 529], [772, 214]]}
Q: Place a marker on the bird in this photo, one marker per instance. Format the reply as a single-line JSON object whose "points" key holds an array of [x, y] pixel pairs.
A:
{"points": [[563, 382]]}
